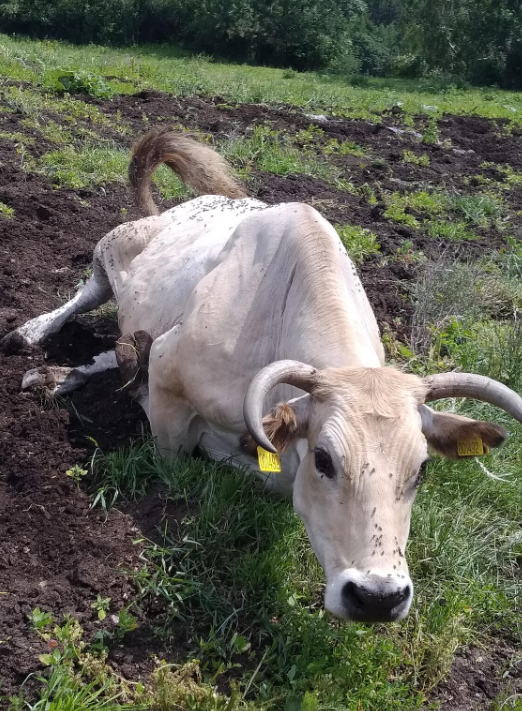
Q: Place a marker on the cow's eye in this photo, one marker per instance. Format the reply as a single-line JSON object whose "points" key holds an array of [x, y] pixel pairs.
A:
{"points": [[323, 463], [420, 476]]}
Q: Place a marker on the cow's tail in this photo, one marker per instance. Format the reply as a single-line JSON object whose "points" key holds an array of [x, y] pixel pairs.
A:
{"points": [[198, 166]]}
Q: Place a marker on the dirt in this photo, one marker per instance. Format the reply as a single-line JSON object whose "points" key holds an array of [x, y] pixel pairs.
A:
{"points": [[480, 676], [56, 552]]}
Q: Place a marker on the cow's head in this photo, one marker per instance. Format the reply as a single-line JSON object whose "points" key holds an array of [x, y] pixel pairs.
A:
{"points": [[364, 434]]}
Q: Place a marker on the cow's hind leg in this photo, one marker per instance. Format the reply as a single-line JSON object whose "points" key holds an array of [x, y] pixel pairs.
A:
{"points": [[54, 380], [113, 254], [94, 293]]}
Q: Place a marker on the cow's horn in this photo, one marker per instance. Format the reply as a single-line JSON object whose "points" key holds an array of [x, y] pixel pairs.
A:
{"points": [[476, 387], [291, 372]]}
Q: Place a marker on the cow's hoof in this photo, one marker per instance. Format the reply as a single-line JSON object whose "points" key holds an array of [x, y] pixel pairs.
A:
{"points": [[15, 344], [52, 381]]}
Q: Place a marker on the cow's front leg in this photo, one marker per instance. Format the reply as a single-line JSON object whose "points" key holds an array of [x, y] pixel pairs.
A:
{"points": [[51, 381]]}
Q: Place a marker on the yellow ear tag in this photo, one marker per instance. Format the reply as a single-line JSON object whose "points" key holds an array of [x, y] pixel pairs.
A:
{"points": [[472, 448], [268, 462]]}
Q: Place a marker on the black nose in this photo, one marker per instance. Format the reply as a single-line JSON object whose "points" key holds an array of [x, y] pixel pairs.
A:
{"points": [[375, 601]]}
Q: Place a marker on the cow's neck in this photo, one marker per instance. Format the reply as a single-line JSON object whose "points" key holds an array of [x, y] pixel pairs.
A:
{"points": [[326, 322]]}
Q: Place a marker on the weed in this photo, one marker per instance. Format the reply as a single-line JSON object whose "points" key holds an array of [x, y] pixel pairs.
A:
{"points": [[396, 212], [40, 619], [443, 216], [101, 605], [94, 166], [272, 151], [6, 211], [408, 254], [18, 138], [76, 473], [344, 148], [368, 193], [126, 623], [51, 131], [78, 82], [410, 157], [451, 231], [360, 243], [431, 134]]}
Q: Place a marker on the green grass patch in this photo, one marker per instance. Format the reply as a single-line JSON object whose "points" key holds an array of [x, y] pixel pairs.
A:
{"points": [[360, 243], [444, 215], [272, 151], [17, 137], [6, 211], [92, 167], [411, 157], [166, 68]]}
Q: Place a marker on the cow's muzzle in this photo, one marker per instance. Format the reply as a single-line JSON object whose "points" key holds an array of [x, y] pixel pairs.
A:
{"points": [[369, 598]]}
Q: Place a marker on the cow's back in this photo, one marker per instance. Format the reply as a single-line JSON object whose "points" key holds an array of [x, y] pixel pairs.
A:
{"points": [[283, 287], [161, 278]]}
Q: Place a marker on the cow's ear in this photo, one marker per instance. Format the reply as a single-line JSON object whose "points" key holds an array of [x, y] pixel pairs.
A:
{"points": [[287, 422], [444, 431]]}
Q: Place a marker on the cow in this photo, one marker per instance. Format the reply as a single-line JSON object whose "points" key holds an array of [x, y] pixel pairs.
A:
{"points": [[246, 326]]}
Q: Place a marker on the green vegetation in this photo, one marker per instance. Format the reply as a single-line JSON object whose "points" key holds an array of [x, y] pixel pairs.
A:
{"points": [[273, 152], [411, 157], [359, 242], [164, 67], [94, 167], [465, 40], [442, 215], [6, 211]]}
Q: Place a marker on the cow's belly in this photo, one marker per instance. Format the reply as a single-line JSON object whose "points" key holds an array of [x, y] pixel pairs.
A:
{"points": [[162, 278]]}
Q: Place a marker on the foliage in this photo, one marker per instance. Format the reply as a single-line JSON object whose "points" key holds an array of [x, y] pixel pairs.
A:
{"points": [[79, 82], [463, 40], [360, 243], [77, 677], [6, 211]]}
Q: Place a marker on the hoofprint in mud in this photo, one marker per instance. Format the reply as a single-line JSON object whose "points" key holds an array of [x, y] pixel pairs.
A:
{"points": [[230, 309]]}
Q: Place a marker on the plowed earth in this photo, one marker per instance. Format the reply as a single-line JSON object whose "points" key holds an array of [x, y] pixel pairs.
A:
{"points": [[55, 551]]}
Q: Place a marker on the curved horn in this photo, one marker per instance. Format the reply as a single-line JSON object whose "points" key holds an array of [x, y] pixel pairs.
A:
{"points": [[291, 372], [477, 387]]}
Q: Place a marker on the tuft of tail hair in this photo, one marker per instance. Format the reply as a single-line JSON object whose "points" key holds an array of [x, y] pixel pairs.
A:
{"points": [[198, 166]]}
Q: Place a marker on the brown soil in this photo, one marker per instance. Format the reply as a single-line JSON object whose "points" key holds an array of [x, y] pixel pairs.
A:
{"points": [[55, 552], [480, 676]]}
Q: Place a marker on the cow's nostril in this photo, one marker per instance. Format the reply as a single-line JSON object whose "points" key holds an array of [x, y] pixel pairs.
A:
{"points": [[353, 593], [403, 594]]}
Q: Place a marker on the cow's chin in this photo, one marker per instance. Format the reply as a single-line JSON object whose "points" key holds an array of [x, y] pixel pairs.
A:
{"points": [[370, 598]]}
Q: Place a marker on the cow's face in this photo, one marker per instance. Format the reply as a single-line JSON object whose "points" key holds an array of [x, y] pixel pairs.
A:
{"points": [[364, 436]]}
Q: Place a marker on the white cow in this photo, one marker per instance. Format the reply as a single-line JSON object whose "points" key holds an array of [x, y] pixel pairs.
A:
{"points": [[246, 310]]}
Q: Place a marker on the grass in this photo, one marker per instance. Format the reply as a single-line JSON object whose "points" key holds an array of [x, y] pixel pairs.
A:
{"points": [[442, 215], [6, 212], [272, 152], [411, 157], [360, 243], [92, 167], [169, 69]]}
